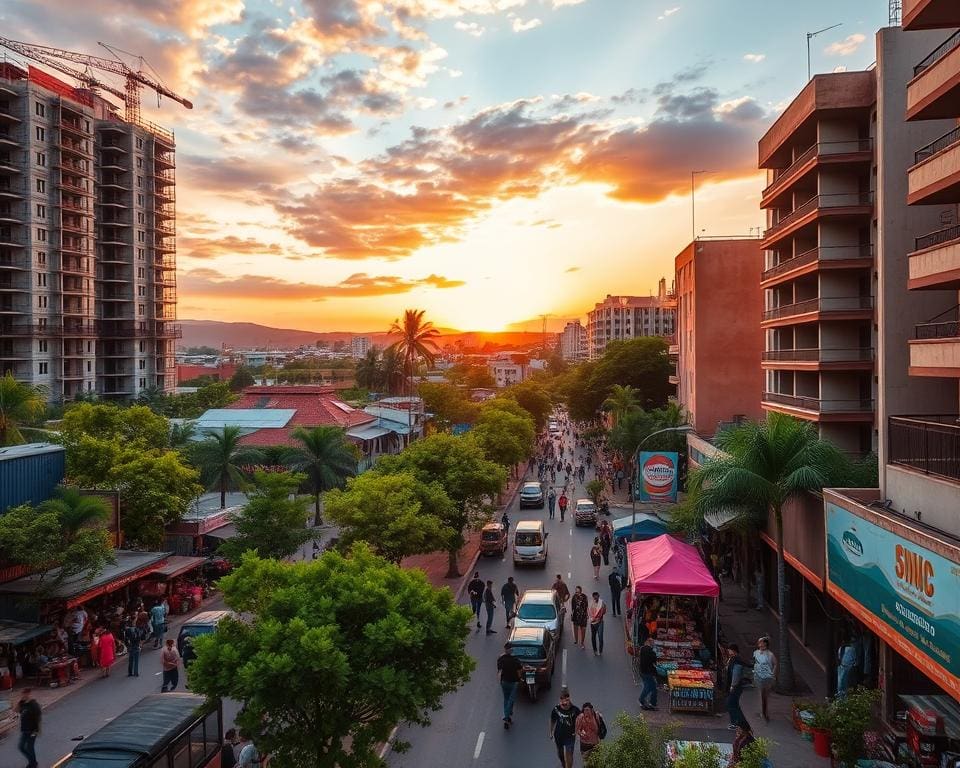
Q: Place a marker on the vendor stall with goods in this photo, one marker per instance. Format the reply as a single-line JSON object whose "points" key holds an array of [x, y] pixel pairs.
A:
{"points": [[179, 580]]}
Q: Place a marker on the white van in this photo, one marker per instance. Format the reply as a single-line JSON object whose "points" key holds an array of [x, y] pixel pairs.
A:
{"points": [[530, 543]]}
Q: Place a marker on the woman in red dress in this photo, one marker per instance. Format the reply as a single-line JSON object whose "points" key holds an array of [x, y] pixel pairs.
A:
{"points": [[108, 651]]}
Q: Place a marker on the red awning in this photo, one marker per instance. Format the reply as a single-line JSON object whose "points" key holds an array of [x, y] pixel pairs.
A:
{"points": [[110, 586], [177, 564], [666, 566]]}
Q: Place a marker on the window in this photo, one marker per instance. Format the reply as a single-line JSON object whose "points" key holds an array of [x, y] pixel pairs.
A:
{"points": [[42, 345], [42, 186], [141, 291], [140, 254], [43, 367], [143, 365], [139, 181], [41, 323], [40, 109], [86, 126], [41, 235], [41, 211], [42, 279], [140, 272], [140, 309], [139, 199], [139, 162], [41, 159], [139, 143], [41, 257], [141, 346], [140, 217], [41, 133], [143, 384], [89, 369]]}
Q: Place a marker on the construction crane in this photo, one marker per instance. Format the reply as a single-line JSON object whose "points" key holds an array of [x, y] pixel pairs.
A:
{"points": [[135, 79]]}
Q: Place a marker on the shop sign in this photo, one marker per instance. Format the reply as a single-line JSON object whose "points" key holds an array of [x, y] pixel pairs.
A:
{"points": [[658, 476], [907, 594]]}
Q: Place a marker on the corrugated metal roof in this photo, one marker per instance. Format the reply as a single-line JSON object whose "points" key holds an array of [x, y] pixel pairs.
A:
{"points": [[127, 562], [368, 432], [250, 418], [28, 449]]}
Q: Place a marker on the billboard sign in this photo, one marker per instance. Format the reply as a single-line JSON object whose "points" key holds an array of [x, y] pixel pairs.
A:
{"points": [[658, 476], [905, 593]]}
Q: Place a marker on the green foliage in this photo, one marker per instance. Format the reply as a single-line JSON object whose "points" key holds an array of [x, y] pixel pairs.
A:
{"points": [[359, 395], [241, 379], [66, 533], [637, 746], [326, 457], [272, 520], [700, 756], [850, 717], [221, 460], [396, 514], [594, 489], [448, 404], [470, 376], [191, 405], [635, 426], [534, 398], [19, 404], [134, 427], [340, 649], [201, 350], [504, 431], [621, 401], [415, 340], [755, 754]]}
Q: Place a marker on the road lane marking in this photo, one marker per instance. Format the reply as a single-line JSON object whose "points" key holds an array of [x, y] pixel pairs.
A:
{"points": [[563, 669], [389, 742], [476, 749], [569, 575]]}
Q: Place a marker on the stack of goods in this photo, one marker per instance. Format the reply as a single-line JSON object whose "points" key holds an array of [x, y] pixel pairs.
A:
{"points": [[925, 735], [691, 690], [677, 643]]}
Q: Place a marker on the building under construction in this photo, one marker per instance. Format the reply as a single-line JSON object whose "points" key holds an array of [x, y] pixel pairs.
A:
{"points": [[87, 241]]}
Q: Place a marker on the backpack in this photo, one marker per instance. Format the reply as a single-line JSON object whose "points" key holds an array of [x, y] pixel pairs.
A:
{"points": [[601, 726]]}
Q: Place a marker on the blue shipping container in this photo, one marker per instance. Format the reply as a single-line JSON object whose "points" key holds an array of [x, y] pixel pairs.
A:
{"points": [[30, 473]]}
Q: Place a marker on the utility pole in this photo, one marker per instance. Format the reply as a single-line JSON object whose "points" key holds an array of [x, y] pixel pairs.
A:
{"points": [[693, 203], [810, 36]]}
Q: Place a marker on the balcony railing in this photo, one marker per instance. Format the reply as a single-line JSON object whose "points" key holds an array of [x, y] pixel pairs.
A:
{"points": [[854, 405], [939, 52], [838, 200], [944, 142], [823, 148], [939, 237], [929, 444], [826, 304], [947, 330], [854, 355], [826, 253]]}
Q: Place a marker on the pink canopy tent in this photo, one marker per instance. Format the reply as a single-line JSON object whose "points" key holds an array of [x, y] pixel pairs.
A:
{"points": [[667, 566]]}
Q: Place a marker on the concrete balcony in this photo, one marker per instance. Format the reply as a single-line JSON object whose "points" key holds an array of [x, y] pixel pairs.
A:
{"points": [[823, 153], [935, 350], [934, 92], [815, 409], [843, 204], [935, 264], [826, 308], [817, 259], [930, 14], [935, 177], [927, 444], [855, 359]]}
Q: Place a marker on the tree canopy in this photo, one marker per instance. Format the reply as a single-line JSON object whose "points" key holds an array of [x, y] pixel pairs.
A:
{"points": [[448, 404], [339, 650], [325, 457], [534, 398], [19, 404], [505, 435], [221, 459]]}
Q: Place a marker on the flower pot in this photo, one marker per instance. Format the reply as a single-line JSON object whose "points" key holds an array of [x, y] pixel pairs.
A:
{"points": [[821, 742]]}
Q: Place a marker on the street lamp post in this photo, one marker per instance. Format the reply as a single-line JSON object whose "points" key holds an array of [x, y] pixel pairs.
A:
{"points": [[635, 474]]}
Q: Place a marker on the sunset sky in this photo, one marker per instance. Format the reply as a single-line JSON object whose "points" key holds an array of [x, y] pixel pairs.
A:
{"points": [[485, 160]]}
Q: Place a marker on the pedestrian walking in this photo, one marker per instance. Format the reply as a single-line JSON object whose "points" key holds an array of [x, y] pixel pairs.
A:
{"points": [[579, 609], [475, 590], [736, 682], [616, 587], [508, 668], [595, 555], [249, 756], [30, 714], [560, 587], [133, 639], [588, 729], [606, 540], [562, 503], [598, 610], [619, 477], [509, 593], [170, 661], [228, 758], [490, 604], [505, 522], [764, 673], [563, 728], [551, 502], [158, 621], [648, 675], [846, 661], [108, 652]]}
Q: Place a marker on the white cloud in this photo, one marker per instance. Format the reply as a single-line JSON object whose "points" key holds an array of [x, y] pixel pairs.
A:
{"points": [[754, 58], [668, 12], [519, 25], [561, 3], [845, 47], [470, 27], [455, 73], [426, 102]]}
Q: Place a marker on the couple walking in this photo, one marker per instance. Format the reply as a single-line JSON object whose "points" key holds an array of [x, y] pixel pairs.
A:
{"points": [[583, 612], [482, 596]]}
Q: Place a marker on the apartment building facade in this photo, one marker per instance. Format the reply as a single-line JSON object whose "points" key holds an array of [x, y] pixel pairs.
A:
{"points": [[630, 317], [359, 346], [87, 242], [573, 342]]}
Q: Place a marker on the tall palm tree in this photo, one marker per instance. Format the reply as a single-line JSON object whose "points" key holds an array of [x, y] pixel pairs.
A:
{"points": [[19, 404], [416, 340], [181, 434], [220, 458], [621, 401], [76, 511], [325, 457], [760, 467], [368, 369], [390, 377]]}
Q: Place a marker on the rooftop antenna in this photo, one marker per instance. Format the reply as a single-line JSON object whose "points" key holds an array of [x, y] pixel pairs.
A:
{"points": [[896, 13], [810, 36]]}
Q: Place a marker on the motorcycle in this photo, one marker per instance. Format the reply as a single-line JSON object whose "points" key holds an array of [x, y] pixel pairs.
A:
{"points": [[530, 679]]}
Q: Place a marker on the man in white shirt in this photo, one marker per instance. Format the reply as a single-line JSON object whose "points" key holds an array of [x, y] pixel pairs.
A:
{"points": [[249, 757], [598, 609]]}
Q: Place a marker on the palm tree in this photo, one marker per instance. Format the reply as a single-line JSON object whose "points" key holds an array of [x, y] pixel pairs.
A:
{"points": [[391, 371], [416, 340], [220, 458], [368, 369], [181, 434], [621, 401], [325, 457], [760, 467], [76, 511], [19, 403]]}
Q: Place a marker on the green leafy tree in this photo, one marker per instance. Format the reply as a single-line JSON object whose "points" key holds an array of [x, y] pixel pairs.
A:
{"points": [[182, 434], [459, 466], [504, 437], [471, 376], [327, 459], [220, 458], [391, 371], [19, 404], [215, 395], [136, 426], [636, 426], [637, 746], [368, 373], [534, 399], [415, 340], [397, 515], [594, 489], [272, 521], [448, 404], [241, 379], [621, 401], [339, 651], [760, 467]]}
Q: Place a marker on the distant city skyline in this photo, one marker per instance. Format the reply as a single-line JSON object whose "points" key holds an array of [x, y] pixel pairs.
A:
{"points": [[488, 161]]}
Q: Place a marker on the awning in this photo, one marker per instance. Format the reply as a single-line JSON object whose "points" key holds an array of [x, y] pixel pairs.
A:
{"points": [[666, 566], [17, 632], [178, 564], [642, 526], [224, 532], [721, 518], [367, 432]]}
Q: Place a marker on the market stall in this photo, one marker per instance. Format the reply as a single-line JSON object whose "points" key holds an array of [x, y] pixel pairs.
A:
{"points": [[672, 596], [178, 580]]}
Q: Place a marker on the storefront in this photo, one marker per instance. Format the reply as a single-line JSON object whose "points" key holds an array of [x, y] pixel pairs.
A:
{"points": [[902, 580], [179, 580]]}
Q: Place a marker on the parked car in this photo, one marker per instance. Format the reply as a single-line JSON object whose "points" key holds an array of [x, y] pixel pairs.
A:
{"points": [[204, 623], [531, 495], [535, 649], [585, 512], [530, 543], [493, 539], [541, 608]]}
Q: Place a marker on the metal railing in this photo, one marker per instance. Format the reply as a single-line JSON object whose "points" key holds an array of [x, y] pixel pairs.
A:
{"points": [[824, 304], [837, 200], [821, 149], [929, 444], [816, 355], [947, 330], [939, 237], [852, 405], [826, 253], [944, 142], [938, 53]]}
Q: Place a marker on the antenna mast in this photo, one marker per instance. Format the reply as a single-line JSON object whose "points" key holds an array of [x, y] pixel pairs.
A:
{"points": [[896, 13]]}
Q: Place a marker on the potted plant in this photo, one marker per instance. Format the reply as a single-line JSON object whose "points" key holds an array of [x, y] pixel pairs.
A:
{"points": [[700, 756], [821, 726], [756, 754], [851, 716]]}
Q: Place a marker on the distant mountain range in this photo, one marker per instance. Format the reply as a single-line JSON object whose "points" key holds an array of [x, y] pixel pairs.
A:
{"points": [[213, 333]]}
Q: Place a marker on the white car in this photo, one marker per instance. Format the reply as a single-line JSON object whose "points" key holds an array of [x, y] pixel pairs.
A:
{"points": [[541, 608]]}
